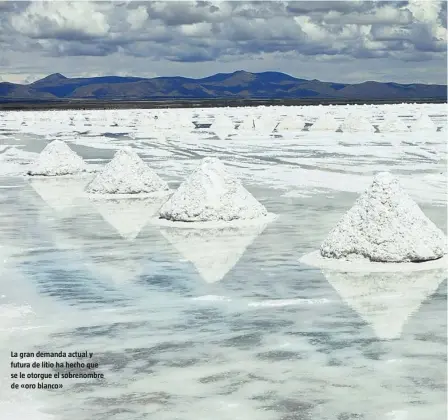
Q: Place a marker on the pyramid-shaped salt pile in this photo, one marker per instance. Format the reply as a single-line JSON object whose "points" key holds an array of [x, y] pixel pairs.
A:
{"points": [[57, 159], [325, 122], [265, 124], [247, 125], [385, 225], [423, 123], [126, 173], [393, 124], [356, 123], [291, 123], [211, 193], [222, 126]]}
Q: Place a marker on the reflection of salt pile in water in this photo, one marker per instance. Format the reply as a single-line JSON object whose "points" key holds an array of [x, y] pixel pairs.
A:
{"points": [[393, 124], [59, 193], [423, 123], [57, 159], [128, 215], [290, 123], [126, 173], [215, 251], [325, 122], [384, 226], [211, 194], [356, 123], [222, 126], [385, 300]]}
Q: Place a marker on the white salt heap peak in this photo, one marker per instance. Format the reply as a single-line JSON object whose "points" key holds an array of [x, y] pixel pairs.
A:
{"points": [[57, 159], [423, 123], [211, 193], [356, 123], [126, 173], [325, 122], [291, 123], [393, 124], [385, 225]]}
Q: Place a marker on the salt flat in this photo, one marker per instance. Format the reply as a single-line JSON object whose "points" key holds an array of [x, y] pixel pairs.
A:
{"points": [[225, 324]]}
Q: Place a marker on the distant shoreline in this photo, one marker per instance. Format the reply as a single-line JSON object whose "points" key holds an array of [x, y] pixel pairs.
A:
{"points": [[31, 105]]}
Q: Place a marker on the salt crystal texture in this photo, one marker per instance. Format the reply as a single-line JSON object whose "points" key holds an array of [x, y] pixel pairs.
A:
{"points": [[211, 194], [57, 159], [325, 122], [393, 125], [385, 225], [356, 123], [291, 123], [423, 123], [126, 173]]}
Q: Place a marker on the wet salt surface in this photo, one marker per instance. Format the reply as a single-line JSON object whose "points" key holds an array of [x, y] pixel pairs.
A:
{"points": [[256, 336], [273, 339]]}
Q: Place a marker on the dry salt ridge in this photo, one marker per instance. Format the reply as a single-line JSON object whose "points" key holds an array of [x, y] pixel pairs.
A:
{"points": [[212, 196], [127, 175], [385, 230]]}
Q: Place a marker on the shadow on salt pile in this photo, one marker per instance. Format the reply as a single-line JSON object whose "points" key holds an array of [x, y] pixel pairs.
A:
{"points": [[213, 251], [385, 300]]}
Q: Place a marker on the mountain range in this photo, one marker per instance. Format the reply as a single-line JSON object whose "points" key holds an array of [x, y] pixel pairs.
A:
{"points": [[237, 85]]}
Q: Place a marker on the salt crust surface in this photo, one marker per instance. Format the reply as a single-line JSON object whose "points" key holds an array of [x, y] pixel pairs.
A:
{"points": [[126, 173], [356, 123], [393, 125], [57, 159], [385, 225], [212, 194], [325, 122]]}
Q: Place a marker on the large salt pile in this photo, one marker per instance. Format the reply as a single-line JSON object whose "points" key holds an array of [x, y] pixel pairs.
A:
{"points": [[356, 123], [423, 123], [223, 126], [211, 194], [385, 225], [325, 122], [126, 173], [393, 124], [57, 159], [290, 123]]}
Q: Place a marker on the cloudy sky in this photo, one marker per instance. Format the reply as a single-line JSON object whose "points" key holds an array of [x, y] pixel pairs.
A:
{"points": [[340, 41]]}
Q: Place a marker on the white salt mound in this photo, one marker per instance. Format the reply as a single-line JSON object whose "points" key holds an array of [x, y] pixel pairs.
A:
{"points": [[385, 225], [356, 123], [211, 194], [393, 124], [126, 173], [57, 159], [291, 123], [423, 123], [325, 122]]}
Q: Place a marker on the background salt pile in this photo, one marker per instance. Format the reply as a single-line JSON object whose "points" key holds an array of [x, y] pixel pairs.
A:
{"points": [[126, 173], [211, 193], [57, 159]]}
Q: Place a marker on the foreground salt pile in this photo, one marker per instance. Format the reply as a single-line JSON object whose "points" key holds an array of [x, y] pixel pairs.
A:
{"points": [[393, 124], [57, 159], [126, 173], [325, 122], [356, 123], [423, 123], [385, 225], [211, 194]]}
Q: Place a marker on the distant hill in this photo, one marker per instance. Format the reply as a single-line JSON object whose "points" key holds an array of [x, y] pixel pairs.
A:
{"points": [[237, 85]]}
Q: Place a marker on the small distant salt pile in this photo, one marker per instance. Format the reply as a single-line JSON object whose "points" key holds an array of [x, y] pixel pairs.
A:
{"points": [[393, 124], [356, 123], [423, 123], [211, 194], [385, 225], [265, 124], [247, 125], [325, 122], [126, 173], [222, 126], [57, 159], [290, 123]]}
